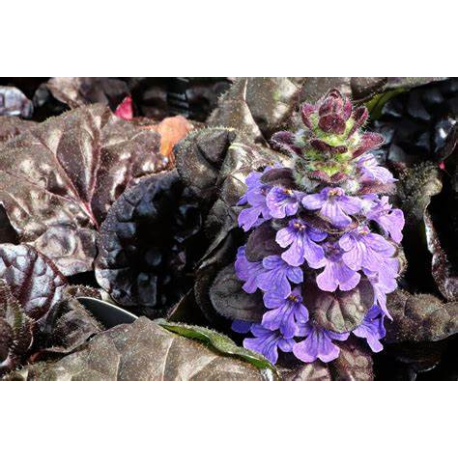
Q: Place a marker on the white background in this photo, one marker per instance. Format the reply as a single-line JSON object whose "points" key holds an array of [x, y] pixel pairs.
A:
{"points": [[210, 38], [228, 37], [228, 419]]}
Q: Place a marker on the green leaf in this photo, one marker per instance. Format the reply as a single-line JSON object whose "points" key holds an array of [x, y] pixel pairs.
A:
{"points": [[377, 102]]}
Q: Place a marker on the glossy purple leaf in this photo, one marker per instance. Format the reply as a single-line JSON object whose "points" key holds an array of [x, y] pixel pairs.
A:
{"points": [[58, 179], [147, 243], [32, 279]]}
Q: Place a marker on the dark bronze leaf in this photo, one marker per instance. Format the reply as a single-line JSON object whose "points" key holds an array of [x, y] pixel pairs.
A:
{"points": [[144, 351], [420, 318], [58, 179], [354, 362], [257, 107], [340, 311], [32, 279], [148, 244], [230, 301], [261, 243], [78, 91]]}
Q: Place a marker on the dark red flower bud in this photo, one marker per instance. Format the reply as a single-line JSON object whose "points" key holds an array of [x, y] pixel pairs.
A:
{"points": [[369, 141], [360, 116], [306, 112], [332, 124], [333, 112], [285, 141], [321, 145], [319, 175]]}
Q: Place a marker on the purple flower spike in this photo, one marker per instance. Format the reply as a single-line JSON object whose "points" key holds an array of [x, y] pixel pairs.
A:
{"points": [[283, 202], [284, 313], [257, 212], [247, 271], [372, 329], [364, 249], [330, 159], [276, 275], [334, 205], [301, 239], [336, 274], [268, 342], [391, 221], [318, 344], [369, 170]]}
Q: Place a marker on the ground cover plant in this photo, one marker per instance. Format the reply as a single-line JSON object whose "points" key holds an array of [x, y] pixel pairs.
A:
{"points": [[278, 228]]}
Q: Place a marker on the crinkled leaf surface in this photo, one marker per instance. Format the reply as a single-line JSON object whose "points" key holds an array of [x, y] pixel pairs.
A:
{"points": [[340, 311], [414, 192], [58, 179], [79, 91], [214, 164], [67, 326], [420, 318], [257, 106], [354, 362], [261, 243], [313, 372], [33, 280], [144, 350], [231, 301], [146, 244], [12, 126], [199, 158]]}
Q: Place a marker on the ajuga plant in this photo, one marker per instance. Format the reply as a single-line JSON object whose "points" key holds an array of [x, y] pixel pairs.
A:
{"points": [[39, 312], [323, 238]]}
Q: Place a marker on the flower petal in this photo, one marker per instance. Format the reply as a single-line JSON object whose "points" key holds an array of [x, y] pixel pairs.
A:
{"points": [[313, 201]]}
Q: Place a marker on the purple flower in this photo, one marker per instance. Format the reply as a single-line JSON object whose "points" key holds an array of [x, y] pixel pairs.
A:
{"points": [[370, 170], [301, 238], [390, 220], [284, 312], [372, 329], [336, 274], [257, 212], [318, 344], [384, 282], [241, 327], [364, 249], [247, 271], [276, 275], [268, 342], [253, 181], [283, 202], [334, 205]]}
